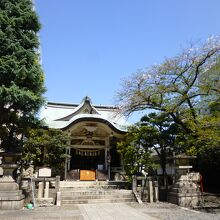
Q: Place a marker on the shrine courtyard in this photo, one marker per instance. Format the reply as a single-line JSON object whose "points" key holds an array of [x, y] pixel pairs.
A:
{"points": [[107, 211]]}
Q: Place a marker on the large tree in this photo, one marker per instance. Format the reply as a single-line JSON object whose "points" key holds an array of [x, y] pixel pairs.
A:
{"points": [[21, 76], [151, 139], [161, 136], [46, 147], [136, 149], [186, 88], [178, 87]]}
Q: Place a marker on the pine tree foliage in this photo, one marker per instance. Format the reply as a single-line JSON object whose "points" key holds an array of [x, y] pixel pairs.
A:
{"points": [[21, 76]]}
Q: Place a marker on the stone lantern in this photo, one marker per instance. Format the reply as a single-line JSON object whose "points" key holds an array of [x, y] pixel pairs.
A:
{"points": [[11, 198], [182, 164], [8, 163], [186, 190]]}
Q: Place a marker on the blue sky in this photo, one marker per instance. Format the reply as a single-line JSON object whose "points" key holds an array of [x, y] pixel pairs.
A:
{"points": [[89, 46]]}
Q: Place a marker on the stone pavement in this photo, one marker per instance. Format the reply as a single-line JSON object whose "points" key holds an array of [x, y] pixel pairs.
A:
{"points": [[112, 211], [109, 211]]}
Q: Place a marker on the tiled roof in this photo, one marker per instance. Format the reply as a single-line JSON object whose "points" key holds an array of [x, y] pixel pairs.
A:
{"points": [[62, 115]]}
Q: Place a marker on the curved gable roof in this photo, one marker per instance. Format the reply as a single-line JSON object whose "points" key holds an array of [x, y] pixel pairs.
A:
{"points": [[84, 107], [61, 115]]}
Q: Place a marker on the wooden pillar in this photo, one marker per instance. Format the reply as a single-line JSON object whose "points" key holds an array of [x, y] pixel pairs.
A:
{"points": [[65, 172], [107, 156], [106, 161], [67, 161], [69, 158]]}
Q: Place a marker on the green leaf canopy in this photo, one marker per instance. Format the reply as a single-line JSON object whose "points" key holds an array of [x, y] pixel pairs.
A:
{"points": [[21, 76]]}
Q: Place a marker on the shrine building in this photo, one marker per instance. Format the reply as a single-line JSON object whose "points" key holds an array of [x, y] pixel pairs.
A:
{"points": [[94, 132]]}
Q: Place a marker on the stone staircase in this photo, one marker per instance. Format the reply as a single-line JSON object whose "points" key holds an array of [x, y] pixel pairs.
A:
{"points": [[82, 192]]}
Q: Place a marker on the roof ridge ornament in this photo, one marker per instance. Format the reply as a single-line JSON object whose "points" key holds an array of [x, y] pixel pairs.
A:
{"points": [[87, 99]]}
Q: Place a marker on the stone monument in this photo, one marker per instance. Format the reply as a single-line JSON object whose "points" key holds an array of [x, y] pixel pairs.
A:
{"points": [[11, 198], [43, 198]]}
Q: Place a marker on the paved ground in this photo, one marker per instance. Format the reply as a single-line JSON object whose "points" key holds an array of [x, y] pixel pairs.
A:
{"points": [[167, 211], [113, 211]]}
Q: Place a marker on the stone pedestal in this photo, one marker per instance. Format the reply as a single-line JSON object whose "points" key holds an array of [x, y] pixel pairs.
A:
{"points": [[185, 192], [11, 198]]}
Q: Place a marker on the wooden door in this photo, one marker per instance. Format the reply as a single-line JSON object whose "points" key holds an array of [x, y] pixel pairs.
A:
{"points": [[87, 175]]}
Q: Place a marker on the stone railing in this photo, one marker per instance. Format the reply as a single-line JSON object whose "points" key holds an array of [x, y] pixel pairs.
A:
{"points": [[42, 191], [145, 188]]}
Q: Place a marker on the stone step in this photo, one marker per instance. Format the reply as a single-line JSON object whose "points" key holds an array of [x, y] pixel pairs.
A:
{"points": [[78, 188], [96, 197], [89, 201], [67, 184], [96, 192], [83, 183], [91, 195], [74, 195], [77, 192], [105, 196]]}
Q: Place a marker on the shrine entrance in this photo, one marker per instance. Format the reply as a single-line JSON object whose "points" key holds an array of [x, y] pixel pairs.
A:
{"points": [[93, 131], [87, 159], [92, 151], [88, 163]]}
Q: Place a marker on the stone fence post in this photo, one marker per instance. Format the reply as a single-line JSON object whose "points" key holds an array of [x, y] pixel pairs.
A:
{"points": [[134, 182], [58, 193], [57, 183], [150, 190], [156, 191]]}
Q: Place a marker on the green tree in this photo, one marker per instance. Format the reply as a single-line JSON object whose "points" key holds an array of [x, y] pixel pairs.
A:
{"points": [[183, 87], [21, 76], [135, 150], [46, 147], [161, 136], [176, 87], [149, 142]]}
